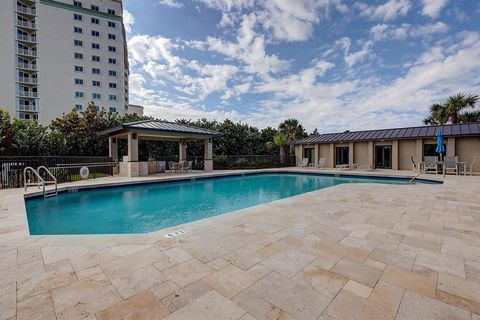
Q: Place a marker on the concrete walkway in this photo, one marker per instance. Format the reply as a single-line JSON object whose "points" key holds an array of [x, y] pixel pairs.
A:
{"points": [[353, 251]]}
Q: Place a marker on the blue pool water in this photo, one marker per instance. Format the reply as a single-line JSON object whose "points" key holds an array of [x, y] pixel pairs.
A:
{"points": [[154, 206]]}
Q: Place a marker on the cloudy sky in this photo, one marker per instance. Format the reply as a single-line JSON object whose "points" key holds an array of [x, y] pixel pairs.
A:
{"points": [[332, 64]]}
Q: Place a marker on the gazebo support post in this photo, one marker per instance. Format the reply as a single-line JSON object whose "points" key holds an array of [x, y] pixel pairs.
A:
{"points": [[133, 169], [113, 148], [182, 150], [208, 158]]}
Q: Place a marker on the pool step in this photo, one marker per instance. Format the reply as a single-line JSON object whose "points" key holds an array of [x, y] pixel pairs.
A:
{"points": [[50, 194]]}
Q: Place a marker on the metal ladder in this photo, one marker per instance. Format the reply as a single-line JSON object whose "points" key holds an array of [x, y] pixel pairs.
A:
{"points": [[424, 170], [41, 183]]}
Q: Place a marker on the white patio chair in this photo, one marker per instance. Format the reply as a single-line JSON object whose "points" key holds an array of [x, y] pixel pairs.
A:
{"points": [[304, 163], [322, 163], [469, 166], [431, 164], [450, 164]]}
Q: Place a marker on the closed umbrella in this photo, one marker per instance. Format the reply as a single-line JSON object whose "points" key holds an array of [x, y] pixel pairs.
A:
{"points": [[440, 148]]}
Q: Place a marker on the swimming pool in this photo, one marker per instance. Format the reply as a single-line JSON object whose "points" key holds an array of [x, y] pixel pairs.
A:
{"points": [[154, 206]]}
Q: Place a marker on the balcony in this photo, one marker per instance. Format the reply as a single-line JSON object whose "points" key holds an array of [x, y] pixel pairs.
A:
{"points": [[25, 24], [31, 11], [27, 94], [26, 66], [26, 52], [26, 38], [27, 80], [27, 107]]}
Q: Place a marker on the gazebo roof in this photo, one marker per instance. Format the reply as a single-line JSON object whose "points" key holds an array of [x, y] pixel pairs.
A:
{"points": [[161, 127]]}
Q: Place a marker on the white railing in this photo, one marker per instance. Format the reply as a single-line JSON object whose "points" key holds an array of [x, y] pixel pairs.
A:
{"points": [[30, 94], [26, 38], [27, 80], [28, 107], [29, 66], [26, 10], [26, 24], [27, 52]]}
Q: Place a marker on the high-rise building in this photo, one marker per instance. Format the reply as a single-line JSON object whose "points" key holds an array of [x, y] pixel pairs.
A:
{"points": [[56, 55]]}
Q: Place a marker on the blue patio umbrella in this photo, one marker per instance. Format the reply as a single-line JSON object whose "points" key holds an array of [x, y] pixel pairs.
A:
{"points": [[440, 148]]}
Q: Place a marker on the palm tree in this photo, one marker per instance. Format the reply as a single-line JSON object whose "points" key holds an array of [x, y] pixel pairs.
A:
{"points": [[453, 110], [292, 129], [280, 141]]}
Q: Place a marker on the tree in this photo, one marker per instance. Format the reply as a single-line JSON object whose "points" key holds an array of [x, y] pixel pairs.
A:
{"points": [[292, 129], [30, 138], [279, 140], [454, 110], [315, 131]]}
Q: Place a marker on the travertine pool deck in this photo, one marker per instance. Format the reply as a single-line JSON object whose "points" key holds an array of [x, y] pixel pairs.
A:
{"points": [[353, 251]]}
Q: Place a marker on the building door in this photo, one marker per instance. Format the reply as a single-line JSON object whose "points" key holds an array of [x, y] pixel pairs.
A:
{"points": [[341, 155], [383, 157], [308, 153]]}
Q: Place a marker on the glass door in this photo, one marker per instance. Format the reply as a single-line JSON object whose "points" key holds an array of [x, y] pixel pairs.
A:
{"points": [[383, 157], [341, 155], [308, 153]]}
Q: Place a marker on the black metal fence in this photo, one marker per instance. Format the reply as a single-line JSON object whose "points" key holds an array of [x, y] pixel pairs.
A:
{"points": [[65, 169]]}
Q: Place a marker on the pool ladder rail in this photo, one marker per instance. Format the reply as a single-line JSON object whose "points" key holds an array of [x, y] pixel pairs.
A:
{"points": [[40, 182]]}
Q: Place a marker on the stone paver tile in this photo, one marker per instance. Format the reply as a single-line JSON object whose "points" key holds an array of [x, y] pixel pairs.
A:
{"points": [[39, 307], [392, 258], [8, 299], [248, 316], [358, 289], [218, 263], [375, 264], [165, 289], [425, 244], [289, 262], [271, 249], [417, 307], [86, 273], [29, 254], [117, 265], [421, 283], [142, 306], [359, 243], [188, 272], [130, 284], [356, 271], [332, 233], [83, 298], [324, 281], [184, 296], [300, 301], [473, 273], [441, 263], [33, 279], [344, 251], [256, 306], [172, 257], [54, 254], [286, 316], [388, 295], [325, 260], [231, 280], [459, 292], [347, 305], [245, 257], [212, 305]]}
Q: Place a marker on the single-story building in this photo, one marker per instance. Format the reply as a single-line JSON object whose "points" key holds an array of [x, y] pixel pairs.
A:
{"points": [[391, 148]]}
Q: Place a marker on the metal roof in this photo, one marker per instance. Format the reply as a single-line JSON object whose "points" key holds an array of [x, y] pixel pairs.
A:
{"points": [[162, 126], [462, 129]]}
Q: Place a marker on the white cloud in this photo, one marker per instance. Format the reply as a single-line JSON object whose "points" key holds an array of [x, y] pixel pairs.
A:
{"points": [[171, 3], [390, 10], [355, 57], [399, 32], [432, 8], [128, 21]]}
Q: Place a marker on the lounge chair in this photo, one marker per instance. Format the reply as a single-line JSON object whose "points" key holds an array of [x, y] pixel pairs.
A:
{"points": [[304, 163], [450, 165], [342, 166], [431, 164], [366, 167], [322, 163]]}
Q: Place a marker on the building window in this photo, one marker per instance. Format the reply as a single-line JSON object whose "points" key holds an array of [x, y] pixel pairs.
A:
{"points": [[95, 45], [112, 49], [77, 55], [113, 109], [96, 83], [96, 96], [112, 24], [95, 71], [112, 61], [77, 30], [77, 3], [429, 150], [96, 58], [95, 21], [95, 33], [95, 8], [78, 69], [111, 11], [112, 36], [78, 43], [112, 85], [78, 107], [112, 97], [77, 17], [112, 73], [79, 81], [78, 94]]}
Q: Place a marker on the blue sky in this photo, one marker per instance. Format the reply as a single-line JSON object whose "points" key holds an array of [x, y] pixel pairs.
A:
{"points": [[332, 64]]}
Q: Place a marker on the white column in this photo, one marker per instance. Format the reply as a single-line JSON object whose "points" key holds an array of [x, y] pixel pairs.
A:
{"points": [[182, 150], [132, 146], [208, 158], [351, 151]]}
